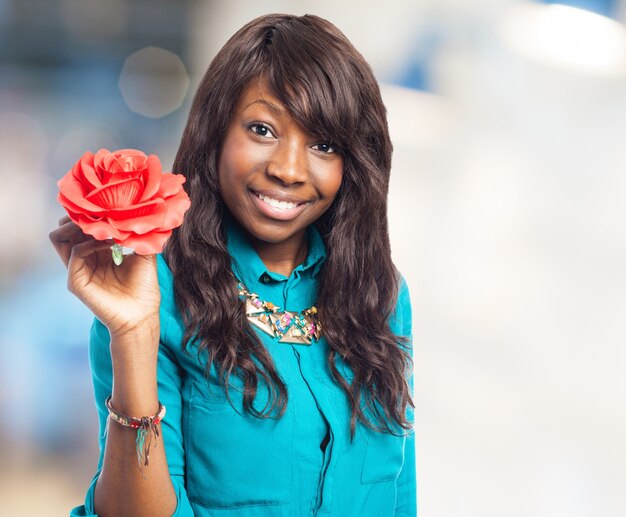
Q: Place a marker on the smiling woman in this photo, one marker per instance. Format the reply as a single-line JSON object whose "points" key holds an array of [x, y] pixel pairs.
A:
{"points": [[275, 177], [274, 327]]}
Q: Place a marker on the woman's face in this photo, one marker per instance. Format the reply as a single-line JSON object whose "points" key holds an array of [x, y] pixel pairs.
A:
{"points": [[275, 177]]}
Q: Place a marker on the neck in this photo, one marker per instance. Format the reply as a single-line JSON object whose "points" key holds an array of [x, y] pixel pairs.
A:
{"points": [[282, 257]]}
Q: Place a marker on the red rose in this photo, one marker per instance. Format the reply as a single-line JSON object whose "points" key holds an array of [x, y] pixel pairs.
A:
{"points": [[124, 195]]}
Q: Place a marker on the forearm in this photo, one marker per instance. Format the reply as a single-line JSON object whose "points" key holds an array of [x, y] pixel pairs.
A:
{"points": [[121, 488]]}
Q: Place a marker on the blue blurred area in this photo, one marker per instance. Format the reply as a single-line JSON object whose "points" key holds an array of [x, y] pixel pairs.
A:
{"points": [[60, 65], [44, 364], [415, 70], [605, 7]]}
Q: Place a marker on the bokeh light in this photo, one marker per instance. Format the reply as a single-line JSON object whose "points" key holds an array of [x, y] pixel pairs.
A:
{"points": [[566, 37], [153, 82]]}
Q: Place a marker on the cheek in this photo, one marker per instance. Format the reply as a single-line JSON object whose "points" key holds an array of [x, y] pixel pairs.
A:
{"points": [[239, 160], [331, 181], [230, 168], [228, 185]]}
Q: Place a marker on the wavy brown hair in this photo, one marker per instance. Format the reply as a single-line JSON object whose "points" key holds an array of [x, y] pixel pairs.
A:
{"points": [[327, 87]]}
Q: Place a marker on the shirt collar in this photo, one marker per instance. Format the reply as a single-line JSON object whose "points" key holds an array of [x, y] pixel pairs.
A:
{"points": [[250, 269]]}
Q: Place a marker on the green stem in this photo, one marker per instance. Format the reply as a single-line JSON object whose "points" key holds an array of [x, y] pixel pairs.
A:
{"points": [[118, 257]]}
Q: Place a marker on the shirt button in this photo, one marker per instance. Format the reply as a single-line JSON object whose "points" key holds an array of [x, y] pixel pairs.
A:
{"points": [[265, 278]]}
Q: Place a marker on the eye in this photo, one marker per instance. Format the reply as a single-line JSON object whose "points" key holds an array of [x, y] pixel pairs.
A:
{"points": [[325, 147], [261, 130]]}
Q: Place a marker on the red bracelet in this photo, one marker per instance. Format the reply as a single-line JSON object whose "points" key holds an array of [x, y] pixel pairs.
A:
{"points": [[147, 427]]}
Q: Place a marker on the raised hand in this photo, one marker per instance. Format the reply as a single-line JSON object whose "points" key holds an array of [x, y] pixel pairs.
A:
{"points": [[124, 298]]}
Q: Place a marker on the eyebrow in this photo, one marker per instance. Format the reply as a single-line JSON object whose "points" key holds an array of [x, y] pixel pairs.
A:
{"points": [[271, 106]]}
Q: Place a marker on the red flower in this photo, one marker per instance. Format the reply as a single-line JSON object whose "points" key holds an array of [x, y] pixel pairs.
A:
{"points": [[124, 195]]}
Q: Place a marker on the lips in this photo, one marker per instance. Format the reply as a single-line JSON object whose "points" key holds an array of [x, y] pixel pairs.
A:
{"points": [[277, 205]]}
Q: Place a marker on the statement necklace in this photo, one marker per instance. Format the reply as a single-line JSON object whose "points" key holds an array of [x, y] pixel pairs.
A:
{"points": [[301, 328]]}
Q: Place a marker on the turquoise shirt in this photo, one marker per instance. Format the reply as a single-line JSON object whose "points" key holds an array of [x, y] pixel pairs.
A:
{"points": [[225, 462]]}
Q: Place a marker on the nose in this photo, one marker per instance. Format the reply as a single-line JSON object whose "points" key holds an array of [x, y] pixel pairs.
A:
{"points": [[288, 163]]}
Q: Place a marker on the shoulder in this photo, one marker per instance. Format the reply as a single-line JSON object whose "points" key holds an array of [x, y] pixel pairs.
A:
{"points": [[404, 299], [401, 318], [166, 284]]}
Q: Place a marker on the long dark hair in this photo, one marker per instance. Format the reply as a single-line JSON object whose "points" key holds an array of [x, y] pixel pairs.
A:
{"points": [[328, 87]]}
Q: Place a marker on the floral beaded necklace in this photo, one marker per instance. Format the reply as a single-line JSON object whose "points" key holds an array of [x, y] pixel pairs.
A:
{"points": [[301, 328]]}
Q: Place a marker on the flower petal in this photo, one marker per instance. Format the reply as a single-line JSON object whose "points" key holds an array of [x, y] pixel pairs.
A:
{"points": [[176, 206], [136, 210], [99, 157], [117, 195], [152, 176], [171, 184], [99, 229], [113, 166], [142, 224], [87, 157], [68, 205], [87, 171], [72, 190], [124, 160], [152, 242]]}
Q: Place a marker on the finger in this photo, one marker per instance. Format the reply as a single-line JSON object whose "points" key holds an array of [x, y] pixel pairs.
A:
{"points": [[68, 232], [79, 269], [65, 237], [84, 249], [64, 219]]}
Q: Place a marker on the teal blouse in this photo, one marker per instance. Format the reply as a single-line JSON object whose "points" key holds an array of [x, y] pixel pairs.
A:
{"points": [[225, 462]]}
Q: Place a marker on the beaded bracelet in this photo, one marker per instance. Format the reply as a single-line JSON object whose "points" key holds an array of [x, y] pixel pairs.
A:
{"points": [[147, 427]]}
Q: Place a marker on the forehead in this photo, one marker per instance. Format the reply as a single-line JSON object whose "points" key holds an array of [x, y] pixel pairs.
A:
{"points": [[258, 91], [312, 111]]}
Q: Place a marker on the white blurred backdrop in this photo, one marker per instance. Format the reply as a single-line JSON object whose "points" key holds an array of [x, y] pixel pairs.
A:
{"points": [[507, 215]]}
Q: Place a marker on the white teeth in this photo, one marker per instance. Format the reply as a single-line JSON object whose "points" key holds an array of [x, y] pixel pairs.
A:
{"points": [[281, 205]]}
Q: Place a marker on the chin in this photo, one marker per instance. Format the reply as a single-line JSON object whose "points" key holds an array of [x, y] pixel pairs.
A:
{"points": [[274, 235]]}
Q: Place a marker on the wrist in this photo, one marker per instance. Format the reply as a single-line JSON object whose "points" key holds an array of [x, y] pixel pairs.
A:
{"points": [[146, 328], [134, 357], [142, 403], [135, 389], [138, 345]]}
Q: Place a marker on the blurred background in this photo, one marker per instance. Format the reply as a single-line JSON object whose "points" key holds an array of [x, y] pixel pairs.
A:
{"points": [[507, 212]]}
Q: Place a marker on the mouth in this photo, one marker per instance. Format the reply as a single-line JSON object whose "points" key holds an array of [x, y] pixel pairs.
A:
{"points": [[278, 206], [277, 203]]}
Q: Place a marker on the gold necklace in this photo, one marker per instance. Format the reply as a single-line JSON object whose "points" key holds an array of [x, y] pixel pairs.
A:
{"points": [[301, 328]]}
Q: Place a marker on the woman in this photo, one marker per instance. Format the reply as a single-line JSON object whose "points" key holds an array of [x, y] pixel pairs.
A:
{"points": [[287, 158]]}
